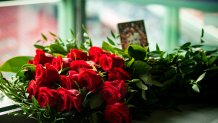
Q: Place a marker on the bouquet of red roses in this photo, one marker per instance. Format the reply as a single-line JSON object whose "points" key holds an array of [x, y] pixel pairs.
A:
{"points": [[79, 86], [86, 84]]}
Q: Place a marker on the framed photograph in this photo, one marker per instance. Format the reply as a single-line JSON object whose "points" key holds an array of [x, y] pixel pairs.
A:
{"points": [[132, 33]]}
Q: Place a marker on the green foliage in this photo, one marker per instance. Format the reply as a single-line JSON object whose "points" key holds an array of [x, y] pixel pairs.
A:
{"points": [[160, 78], [137, 52], [14, 64], [60, 47]]}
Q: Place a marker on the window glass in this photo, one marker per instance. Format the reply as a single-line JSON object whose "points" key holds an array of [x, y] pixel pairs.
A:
{"points": [[103, 16], [167, 24], [192, 21], [21, 26]]}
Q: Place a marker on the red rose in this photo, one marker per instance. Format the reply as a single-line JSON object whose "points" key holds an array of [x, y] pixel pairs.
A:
{"points": [[76, 54], [117, 61], [32, 89], [57, 62], [47, 97], [41, 57], [69, 99], [89, 79], [73, 76], [113, 91], [106, 62], [66, 83], [95, 53], [60, 63], [46, 76], [117, 113], [66, 62], [79, 64], [118, 74]]}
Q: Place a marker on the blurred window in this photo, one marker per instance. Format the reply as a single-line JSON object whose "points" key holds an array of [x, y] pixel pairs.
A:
{"points": [[21, 26], [168, 23], [103, 16]]}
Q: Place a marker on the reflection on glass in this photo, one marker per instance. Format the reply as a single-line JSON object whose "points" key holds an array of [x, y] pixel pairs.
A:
{"points": [[21, 27], [103, 16], [192, 21]]}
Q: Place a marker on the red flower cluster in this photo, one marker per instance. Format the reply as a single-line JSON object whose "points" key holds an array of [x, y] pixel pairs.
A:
{"points": [[61, 91]]}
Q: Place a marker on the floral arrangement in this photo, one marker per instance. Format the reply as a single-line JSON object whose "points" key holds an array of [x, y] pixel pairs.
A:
{"points": [[76, 83], [65, 82]]}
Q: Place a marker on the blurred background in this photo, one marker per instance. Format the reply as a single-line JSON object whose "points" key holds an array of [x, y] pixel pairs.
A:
{"points": [[168, 23]]}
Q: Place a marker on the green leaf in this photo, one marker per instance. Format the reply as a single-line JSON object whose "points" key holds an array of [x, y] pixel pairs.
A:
{"points": [[57, 48], [196, 88], [39, 46], [107, 47], [141, 86], [143, 95], [200, 77], [202, 33], [1, 76], [137, 51], [157, 47], [212, 59], [71, 45], [204, 58], [97, 117], [88, 43], [111, 41], [140, 67], [44, 37], [211, 52], [15, 64], [134, 81], [185, 46], [147, 79], [130, 62], [113, 35], [197, 46], [84, 29], [35, 102], [54, 35], [95, 101], [212, 68]]}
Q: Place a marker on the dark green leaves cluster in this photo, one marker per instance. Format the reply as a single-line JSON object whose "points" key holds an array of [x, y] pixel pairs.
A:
{"points": [[160, 77]]}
